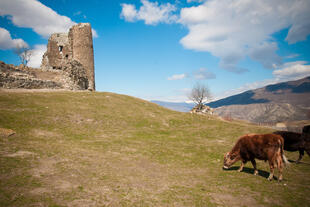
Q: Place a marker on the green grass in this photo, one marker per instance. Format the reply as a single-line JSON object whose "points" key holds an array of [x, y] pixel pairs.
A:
{"points": [[104, 149]]}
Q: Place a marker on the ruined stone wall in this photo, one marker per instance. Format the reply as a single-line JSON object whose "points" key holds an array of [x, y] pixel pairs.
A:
{"points": [[72, 77], [68, 63], [59, 52], [80, 38], [12, 77], [77, 45]]}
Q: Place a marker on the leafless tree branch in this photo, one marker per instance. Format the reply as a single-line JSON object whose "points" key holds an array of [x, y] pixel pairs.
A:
{"points": [[24, 53], [200, 94]]}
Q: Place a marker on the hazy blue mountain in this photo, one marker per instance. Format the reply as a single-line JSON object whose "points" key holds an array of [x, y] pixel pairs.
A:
{"points": [[180, 106]]}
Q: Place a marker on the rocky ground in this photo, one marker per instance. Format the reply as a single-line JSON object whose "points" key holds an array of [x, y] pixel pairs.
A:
{"points": [[73, 77]]}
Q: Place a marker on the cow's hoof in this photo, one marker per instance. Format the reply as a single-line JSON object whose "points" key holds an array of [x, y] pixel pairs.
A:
{"points": [[255, 172], [239, 170], [269, 178]]}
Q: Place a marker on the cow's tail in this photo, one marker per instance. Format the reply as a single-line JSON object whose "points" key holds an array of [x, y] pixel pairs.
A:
{"points": [[285, 161]]}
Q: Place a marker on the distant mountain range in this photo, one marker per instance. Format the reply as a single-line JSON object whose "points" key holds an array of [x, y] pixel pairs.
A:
{"points": [[180, 106], [281, 102], [292, 92]]}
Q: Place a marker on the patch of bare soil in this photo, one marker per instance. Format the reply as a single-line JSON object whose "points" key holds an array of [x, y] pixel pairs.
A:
{"points": [[46, 167], [103, 177], [82, 202], [225, 199], [20, 154], [44, 133], [39, 191], [79, 119], [54, 178]]}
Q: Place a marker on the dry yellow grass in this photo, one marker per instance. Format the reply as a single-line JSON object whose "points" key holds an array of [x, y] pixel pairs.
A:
{"points": [[104, 149]]}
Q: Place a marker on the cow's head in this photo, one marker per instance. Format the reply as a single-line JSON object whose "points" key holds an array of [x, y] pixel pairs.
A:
{"points": [[306, 129], [306, 134], [229, 159]]}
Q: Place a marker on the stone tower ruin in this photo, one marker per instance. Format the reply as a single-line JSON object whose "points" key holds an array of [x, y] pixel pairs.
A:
{"points": [[73, 50]]}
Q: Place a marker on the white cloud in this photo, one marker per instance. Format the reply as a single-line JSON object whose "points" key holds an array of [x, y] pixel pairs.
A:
{"points": [[129, 12], [94, 33], [36, 56], [245, 87], [234, 29], [33, 14], [150, 12], [177, 77], [203, 74], [292, 70], [294, 55], [265, 53], [299, 16], [6, 41]]}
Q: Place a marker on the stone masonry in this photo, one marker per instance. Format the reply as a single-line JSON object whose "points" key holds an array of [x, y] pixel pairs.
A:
{"points": [[68, 64], [13, 77], [77, 46]]}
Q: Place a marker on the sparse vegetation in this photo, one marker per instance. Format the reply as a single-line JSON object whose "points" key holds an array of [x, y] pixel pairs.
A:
{"points": [[83, 149], [199, 94]]}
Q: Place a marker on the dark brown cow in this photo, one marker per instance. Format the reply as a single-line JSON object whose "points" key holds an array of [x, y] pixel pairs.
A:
{"points": [[306, 129], [294, 141], [258, 146]]}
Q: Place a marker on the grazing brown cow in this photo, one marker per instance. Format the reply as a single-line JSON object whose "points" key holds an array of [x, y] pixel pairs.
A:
{"points": [[294, 141], [261, 146]]}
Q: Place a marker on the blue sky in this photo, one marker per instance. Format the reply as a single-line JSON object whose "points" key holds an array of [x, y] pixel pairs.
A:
{"points": [[157, 50]]}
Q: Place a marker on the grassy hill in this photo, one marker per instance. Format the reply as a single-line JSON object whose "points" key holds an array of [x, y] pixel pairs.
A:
{"points": [[104, 149]]}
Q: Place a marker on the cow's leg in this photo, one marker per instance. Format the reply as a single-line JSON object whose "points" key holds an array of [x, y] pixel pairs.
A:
{"points": [[271, 165], [254, 165], [301, 154], [280, 172], [280, 166], [241, 166]]}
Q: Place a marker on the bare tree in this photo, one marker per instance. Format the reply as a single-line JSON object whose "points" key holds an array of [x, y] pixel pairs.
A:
{"points": [[24, 53], [200, 94]]}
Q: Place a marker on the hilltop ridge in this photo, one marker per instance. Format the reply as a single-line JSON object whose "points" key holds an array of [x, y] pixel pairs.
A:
{"points": [[291, 92], [281, 102]]}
